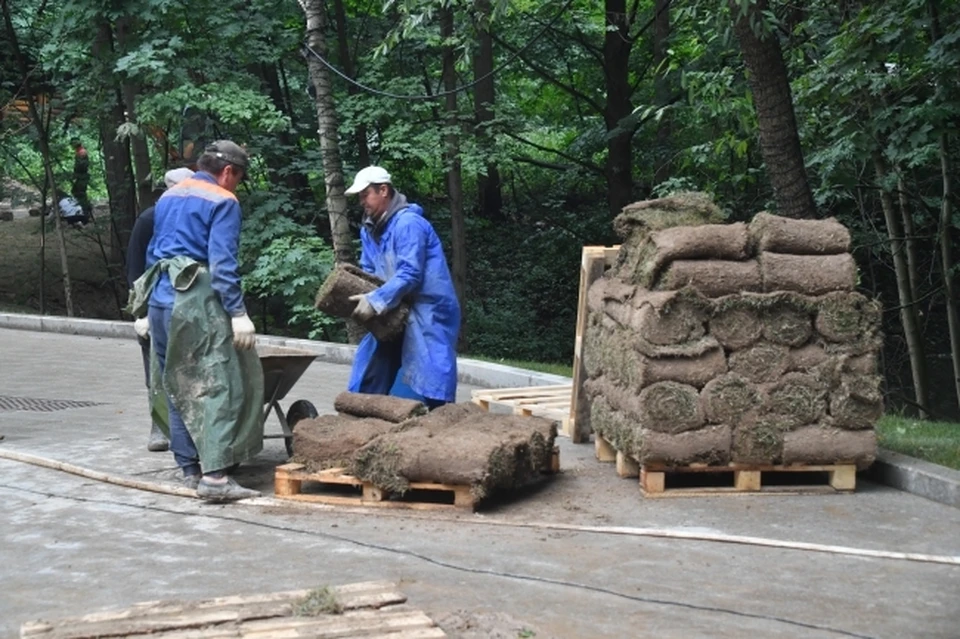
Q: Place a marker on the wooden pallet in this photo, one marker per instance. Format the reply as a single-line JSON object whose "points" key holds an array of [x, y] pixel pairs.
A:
{"points": [[772, 479], [593, 262], [551, 402], [701, 480], [289, 481], [369, 609]]}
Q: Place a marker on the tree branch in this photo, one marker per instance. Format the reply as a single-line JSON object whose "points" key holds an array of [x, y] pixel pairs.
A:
{"points": [[579, 162]]}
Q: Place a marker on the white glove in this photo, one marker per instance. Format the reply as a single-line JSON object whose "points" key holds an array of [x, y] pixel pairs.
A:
{"points": [[142, 326], [243, 332], [364, 311]]}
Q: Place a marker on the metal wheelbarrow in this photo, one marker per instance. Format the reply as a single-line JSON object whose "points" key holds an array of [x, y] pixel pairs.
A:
{"points": [[282, 367]]}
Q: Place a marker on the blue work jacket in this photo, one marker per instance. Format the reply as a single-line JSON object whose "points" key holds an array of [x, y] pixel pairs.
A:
{"points": [[199, 219], [409, 257]]}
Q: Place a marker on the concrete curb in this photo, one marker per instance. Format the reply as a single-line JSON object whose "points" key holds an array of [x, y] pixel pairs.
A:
{"points": [[916, 476], [470, 371]]}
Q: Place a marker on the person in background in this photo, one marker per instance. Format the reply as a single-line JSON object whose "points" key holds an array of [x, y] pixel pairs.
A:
{"points": [[81, 175], [70, 211], [401, 247], [199, 327], [140, 238]]}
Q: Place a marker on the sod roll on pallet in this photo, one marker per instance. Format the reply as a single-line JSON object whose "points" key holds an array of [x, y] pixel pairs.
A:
{"points": [[717, 343]]}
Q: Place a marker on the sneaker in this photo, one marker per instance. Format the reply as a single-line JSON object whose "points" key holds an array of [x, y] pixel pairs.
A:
{"points": [[229, 490], [158, 442], [191, 481]]}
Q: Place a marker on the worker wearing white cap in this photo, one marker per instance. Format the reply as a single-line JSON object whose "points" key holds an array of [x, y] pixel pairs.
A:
{"points": [[401, 247]]}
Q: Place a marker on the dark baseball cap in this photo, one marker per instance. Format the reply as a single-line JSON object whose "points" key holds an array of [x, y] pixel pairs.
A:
{"points": [[229, 151]]}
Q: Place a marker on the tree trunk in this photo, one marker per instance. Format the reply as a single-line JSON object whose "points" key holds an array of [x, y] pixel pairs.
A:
{"points": [[616, 65], [44, 142], [661, 38], [142, 176], [779, 140], [315, 13], [117, 169], [451, 141], [346, 61], [908, 309], [909, 237], [489, 194]]}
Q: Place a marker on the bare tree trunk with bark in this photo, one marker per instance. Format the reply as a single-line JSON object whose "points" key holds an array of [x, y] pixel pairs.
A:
{"points": [[346, 62], [908, 308], [315, 12], [328, 122], [773, 101]]}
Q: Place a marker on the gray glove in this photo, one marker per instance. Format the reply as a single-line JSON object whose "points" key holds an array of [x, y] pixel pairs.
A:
{"points": [[364, 311]]}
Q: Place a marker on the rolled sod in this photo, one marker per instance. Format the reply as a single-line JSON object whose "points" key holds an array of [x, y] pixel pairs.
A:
{"points": [[847, 316], [822, 444], [708, 445], [670, 407], [330, 441], [807, 274], [799, 237], [487, 452], [386, 407], [762, 362], [727, 398], [712, 278]]}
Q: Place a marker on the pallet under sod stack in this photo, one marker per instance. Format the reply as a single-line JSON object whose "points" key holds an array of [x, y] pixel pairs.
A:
{"points": [[715, 352]]}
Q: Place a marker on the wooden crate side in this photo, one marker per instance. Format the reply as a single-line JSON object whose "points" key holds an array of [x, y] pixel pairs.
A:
{"points": [[594, 261]]}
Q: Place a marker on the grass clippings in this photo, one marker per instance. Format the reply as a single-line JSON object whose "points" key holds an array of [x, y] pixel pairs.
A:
{"points": [[319, 601]]}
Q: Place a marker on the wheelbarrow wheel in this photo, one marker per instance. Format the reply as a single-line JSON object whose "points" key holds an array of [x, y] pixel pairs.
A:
{"points": [[300, 409]]}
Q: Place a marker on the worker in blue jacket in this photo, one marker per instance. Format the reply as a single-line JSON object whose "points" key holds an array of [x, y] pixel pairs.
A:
{"points": [[401, 247], [199, 325]]}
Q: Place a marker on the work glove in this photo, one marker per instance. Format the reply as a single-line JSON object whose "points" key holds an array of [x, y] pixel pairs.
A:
{"points": [[142, 326], [243, 332], [364, 311]]}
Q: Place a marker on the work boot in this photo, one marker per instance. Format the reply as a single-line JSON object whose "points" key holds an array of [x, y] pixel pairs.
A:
{"points": [[211, 490], [158, 442], [191, 481]]}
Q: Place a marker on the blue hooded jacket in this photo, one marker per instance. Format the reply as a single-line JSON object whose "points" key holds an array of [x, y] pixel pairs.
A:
{"points": [[408, 256]]}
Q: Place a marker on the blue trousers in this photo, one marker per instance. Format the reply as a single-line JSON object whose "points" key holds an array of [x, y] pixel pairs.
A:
{"points": [[181, 444], [384, 375]]}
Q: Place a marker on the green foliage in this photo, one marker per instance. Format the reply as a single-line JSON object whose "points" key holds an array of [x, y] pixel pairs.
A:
{"points": [[291, 268]]}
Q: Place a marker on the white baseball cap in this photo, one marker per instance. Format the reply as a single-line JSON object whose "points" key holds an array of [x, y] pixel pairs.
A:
{"points": [[366, 177], [175, 176]]}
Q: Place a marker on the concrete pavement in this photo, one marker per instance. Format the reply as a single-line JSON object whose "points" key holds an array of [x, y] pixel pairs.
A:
{"points": [[576, 557]]}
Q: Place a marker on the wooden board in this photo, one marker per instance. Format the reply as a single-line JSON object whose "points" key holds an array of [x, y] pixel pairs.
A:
{"points": [[594, 261], [738, 479], [550, 402], [369, 610]]}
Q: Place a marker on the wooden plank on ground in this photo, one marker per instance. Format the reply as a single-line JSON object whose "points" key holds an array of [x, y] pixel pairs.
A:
{"points": [[219, 617]]}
